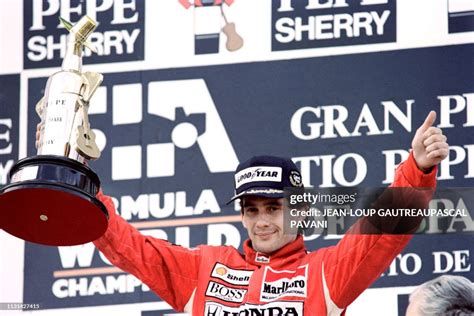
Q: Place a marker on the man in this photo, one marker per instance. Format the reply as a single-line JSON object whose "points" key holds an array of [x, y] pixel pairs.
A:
{"points": [[447, 295], [275, 275]]}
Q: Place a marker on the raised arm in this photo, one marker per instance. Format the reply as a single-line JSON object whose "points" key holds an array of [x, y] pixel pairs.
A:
{"points": [[360, 258], [169, 270]]}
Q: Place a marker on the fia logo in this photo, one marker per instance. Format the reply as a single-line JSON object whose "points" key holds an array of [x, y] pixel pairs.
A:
{"points": [[166, 100]]}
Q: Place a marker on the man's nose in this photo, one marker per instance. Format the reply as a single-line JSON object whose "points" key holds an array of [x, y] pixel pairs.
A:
{"points": [[263, 219]]}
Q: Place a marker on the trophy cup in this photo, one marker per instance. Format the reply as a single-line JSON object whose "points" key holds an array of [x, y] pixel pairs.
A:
{"points": [[50, 198]]}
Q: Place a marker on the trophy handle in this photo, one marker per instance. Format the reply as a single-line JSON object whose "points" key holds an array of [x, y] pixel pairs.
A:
{"points": [[85, 143], [85, 137], [39, 107], [92, 82]]}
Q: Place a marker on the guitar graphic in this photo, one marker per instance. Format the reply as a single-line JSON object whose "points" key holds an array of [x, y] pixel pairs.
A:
{"points": [[234, 40]]}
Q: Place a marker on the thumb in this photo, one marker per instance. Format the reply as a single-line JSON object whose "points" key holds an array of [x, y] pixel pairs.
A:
{"points": [[430, 119]]}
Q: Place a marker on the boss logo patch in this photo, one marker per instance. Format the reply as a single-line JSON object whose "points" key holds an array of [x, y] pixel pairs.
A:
{"points": [[225, 293]]}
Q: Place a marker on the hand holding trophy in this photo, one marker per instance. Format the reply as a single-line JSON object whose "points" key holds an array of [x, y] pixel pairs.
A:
{"points": [[51, 197]]}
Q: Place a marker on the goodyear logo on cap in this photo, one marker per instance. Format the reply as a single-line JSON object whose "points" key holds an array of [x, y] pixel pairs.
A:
{"points": [[257, 174]]}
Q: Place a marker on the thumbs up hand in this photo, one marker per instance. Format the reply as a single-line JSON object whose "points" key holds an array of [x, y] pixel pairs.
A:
{"points": [[429, 144]]}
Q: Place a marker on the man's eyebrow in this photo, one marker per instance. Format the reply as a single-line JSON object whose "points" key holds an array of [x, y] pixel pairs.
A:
{"points": [[248, 204], [274, 202]]}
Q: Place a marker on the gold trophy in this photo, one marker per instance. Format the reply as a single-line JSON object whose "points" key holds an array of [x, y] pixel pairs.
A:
{"points": [[51, 197]]}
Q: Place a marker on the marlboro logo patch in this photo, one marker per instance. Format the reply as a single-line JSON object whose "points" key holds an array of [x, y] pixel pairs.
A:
{"points": [[286, 283]]}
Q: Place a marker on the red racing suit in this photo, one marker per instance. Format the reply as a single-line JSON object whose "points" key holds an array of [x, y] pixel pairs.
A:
{"points": [[219, 280]]}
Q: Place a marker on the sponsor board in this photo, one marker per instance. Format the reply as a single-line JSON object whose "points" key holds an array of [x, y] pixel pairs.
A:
{"points": [[277, 308], [231, 276], [225, 293], [333, 126], [330, 150], [313, 24], [284, 283], [119, 35]]}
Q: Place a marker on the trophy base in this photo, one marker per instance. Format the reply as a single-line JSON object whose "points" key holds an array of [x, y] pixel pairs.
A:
{"points": [[51, 201]]}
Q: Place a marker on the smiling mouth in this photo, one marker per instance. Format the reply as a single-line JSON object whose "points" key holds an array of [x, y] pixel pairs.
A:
{"points": [[265, 235]]}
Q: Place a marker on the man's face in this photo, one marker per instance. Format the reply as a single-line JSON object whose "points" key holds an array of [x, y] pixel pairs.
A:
{"points": [[263, 219]]}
